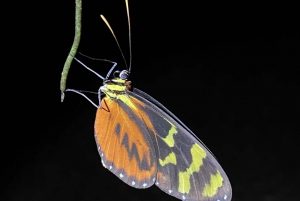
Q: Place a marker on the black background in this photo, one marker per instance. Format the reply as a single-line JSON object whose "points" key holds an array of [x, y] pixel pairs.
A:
{"points": [[229, 71]]}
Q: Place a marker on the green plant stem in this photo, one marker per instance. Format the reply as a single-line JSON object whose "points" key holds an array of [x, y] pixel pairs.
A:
{"points": [[73, 50]]}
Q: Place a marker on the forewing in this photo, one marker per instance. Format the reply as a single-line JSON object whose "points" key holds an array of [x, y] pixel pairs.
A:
{"points": [[185, 167], [124, 143]]}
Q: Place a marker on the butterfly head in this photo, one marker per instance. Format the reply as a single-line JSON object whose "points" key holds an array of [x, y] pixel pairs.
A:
{"points": [[118, 83]]}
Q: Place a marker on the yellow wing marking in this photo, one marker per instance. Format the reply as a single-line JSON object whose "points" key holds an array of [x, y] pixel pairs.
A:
{"points": [[169, 139], [215, 182], [171, 158], [198, 154]]}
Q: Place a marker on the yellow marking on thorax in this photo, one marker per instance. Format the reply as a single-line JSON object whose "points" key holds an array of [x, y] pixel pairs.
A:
{"points": [[198, 154], [114, 87], [169, 139], [215, 182], [111, 93], [171, 158], [110, 86]]}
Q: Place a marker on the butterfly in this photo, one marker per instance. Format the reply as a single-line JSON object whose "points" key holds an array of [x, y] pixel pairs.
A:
{"points": [[143, 143]]}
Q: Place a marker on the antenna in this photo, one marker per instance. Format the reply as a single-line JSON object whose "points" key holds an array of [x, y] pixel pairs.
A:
{"points": [[107, 24], [129, 34]]}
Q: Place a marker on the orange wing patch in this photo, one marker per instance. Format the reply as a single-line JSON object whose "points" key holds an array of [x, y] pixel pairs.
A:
{"points": [[124, 145]]}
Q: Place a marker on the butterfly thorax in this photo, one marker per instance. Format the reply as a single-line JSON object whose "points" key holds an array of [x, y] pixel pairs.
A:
{"points": [[115, 87]]}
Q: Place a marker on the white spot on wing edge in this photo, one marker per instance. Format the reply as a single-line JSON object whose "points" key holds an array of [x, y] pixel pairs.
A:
{"points": [[170, 191], [183, 197], [144, 185], [121, 175], [103, 163], [133, 183], [225, 197], [110, 167]]}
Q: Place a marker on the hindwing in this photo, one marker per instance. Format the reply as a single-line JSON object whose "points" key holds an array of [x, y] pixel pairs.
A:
{"points": [[186, 169]]}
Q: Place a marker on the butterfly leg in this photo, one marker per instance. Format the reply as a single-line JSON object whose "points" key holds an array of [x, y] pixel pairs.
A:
{"points": [[82, 94], [101, 77], [99, 98], [109, 72], [111, 69]]}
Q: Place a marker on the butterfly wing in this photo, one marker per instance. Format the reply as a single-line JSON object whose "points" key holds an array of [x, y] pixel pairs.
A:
{"points": [[186, 169], [122, 144]]}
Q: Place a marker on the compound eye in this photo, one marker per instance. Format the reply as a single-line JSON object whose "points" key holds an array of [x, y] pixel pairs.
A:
{"points": [[124, 75]]}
